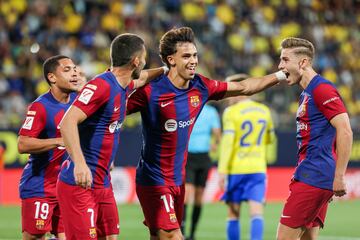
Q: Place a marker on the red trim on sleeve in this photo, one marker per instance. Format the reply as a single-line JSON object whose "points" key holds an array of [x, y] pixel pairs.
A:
{"points": [[217, 89], [93, 96], [35, 120], [328, 100], [138, 99]]}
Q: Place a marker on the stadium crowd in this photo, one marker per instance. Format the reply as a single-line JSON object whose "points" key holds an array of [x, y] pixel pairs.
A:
{"points": [[233, 36]]}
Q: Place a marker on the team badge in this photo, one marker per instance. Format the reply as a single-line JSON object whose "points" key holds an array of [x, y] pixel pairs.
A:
{"points": [[172, 217], [195, 101], [40, 223], [92, 232]]}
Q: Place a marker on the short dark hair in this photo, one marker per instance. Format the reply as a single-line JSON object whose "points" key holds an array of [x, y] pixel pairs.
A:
{"points": [[123, 48], [169, 40], [51, 64], [301, 46]]}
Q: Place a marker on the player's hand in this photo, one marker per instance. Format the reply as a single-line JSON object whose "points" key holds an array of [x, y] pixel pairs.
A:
{"points": [[339, 187], [221, 181], [59, 142], [83, 177]]}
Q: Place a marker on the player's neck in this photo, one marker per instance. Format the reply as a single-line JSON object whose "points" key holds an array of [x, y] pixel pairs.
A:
{"points": [[122, 75], [59, 95], [177, 80], [307, 76]]}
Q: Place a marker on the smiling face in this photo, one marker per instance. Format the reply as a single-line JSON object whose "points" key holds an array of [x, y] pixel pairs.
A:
{"points": [[293, 64], [66, 76], [185, 60]]}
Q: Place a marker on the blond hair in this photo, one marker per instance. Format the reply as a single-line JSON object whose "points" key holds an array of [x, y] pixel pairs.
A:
{"points": [[301, 46]]}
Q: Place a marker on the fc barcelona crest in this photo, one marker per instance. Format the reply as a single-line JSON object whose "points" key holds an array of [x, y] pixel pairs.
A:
{"points": [[172, 217], [40, 224], [92, 232], [195, 101]]}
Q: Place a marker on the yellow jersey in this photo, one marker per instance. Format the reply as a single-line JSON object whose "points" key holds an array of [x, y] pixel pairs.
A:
{"points": [[248, 131]]}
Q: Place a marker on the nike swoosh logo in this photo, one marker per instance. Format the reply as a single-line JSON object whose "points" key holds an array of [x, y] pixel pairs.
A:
{"points": [[116, 109], [284, 216], [165, 104]]}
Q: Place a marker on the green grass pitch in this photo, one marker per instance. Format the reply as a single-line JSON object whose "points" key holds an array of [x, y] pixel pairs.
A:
{"points": [[342, 222]]}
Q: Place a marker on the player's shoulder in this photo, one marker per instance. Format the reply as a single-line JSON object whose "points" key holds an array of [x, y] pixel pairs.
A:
{"points": [[319, 82]]}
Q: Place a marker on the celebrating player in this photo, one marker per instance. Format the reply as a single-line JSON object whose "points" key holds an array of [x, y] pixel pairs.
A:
{"points": [[40, 136], [324, 140], [85, 192], [169, 106]]}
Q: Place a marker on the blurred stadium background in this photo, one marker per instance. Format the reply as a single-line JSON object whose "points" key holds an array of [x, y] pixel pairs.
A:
{"points": [[233, 36]]}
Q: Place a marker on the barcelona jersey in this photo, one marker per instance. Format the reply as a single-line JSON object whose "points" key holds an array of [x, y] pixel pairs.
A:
{"points": [[168, 116], [41, 172], [103, 100], [318, 104]]}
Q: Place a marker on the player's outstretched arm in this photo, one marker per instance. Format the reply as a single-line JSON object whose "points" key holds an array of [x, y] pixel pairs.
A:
{"points": [[30, 145], [344, 139], [70, 133], [147, 75], [253, 85]]}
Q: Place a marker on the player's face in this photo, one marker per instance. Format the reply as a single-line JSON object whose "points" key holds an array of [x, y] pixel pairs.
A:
{"points": [[185, 60], [139, 62], [66, 76], [291, 63]]}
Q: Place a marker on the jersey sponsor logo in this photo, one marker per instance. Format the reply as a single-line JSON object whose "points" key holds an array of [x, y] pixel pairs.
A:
{"points": [[115, 126], [33, 113], [195, 101], [171, 125], [28, 123], [165, 104], [330, 100], [92, 86], [183, 124], [86, 95], [301, 126]]}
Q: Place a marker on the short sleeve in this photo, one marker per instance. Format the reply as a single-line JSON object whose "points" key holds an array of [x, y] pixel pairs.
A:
{"points": [[328, 100], [137, 100], [93, 96], [216, 88], [35, 120]]}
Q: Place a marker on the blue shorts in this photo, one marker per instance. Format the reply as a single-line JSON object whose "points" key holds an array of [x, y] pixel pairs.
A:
{"points": [[244, 187]]}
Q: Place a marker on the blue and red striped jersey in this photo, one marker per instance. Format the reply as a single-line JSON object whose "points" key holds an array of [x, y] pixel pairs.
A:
{"points": [[103, 100], [40, 174], [168, 116], [318, 104]]}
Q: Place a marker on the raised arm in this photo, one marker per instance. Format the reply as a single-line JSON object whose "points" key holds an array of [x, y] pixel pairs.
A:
{"points": [[344, 139], [70, 133], [147, 75], [252, 85]]}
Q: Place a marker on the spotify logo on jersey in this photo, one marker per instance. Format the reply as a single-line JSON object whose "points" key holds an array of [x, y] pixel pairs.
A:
{"points": [[171, 125]]}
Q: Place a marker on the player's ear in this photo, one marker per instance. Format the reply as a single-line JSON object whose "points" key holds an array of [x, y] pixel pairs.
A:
{"points": [[136, 61], [51, 77], [171, 60]]}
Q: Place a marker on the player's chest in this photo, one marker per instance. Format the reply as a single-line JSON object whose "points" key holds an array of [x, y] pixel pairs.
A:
{"points": [[171, 105]]}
